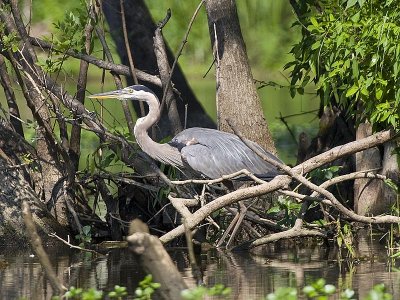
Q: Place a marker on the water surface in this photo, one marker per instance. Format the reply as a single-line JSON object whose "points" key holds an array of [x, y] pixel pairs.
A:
{"points": [[251, 276]]}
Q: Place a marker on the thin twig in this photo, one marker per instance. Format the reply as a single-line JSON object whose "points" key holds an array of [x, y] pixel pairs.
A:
{"points": [[288, 128], [129, 53], [192, 258], [106, 65], [75, 139], [73, 246], [129, 181], [352, 176], [168, 101], [184, 41], [221, 179], [294, 232], [300, 197]]}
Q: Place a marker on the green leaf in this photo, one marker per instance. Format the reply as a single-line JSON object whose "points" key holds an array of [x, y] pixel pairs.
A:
{"points": [[361, 2], [365, 92], [348, 294], [316, 45], [314, 22], [378, 93], [292, 91], [351, 3], [356, 17], [329, 289], [374, 60], [396, 255], [356, 71], [351, 91]]}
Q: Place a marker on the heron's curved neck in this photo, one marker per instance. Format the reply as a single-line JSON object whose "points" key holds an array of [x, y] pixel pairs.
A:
{"points": [[161, 152], [143, 124]]}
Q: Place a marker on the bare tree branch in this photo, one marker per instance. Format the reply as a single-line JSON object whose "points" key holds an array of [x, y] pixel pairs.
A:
{"points": [[106, 65]]}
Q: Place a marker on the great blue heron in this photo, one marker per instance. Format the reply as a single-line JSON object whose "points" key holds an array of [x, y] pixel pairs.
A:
{"points": [[194, 151]]}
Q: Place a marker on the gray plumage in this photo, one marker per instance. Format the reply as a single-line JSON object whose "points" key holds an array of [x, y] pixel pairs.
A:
{"points": [[199, 152], [214, 153]]}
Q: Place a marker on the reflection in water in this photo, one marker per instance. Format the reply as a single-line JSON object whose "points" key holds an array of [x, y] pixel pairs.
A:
{"points": [[250, 276]]}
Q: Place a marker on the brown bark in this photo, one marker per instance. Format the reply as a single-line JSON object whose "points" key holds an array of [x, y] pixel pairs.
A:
{"points": [[14, 189], [390, 168], [367, 193], [10, 97], [237, 97], [372, 197], [156, 261]]}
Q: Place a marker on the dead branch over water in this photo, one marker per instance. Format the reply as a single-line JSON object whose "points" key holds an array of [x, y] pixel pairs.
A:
{"points": [[282, 182]]}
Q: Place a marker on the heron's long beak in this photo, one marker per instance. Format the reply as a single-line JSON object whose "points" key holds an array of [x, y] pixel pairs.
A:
{"points": [[107, 95]]}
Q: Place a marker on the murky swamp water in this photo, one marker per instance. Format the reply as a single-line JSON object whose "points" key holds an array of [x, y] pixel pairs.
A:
{"points": [[250, 276]]}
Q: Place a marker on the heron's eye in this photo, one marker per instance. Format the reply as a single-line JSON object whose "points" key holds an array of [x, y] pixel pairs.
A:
{"points": [[129, 90]]}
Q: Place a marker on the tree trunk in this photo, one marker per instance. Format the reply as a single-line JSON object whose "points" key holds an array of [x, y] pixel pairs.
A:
{"points": [[237, 97], [140, 28], [26, 59], [14, 189], [374, 197]]}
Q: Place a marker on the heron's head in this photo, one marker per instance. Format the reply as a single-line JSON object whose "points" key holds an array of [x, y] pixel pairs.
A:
{"points": [[133, 92]]}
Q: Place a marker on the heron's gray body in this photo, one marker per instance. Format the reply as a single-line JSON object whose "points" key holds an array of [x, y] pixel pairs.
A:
{"points": [[213, 153], [199, 152]]}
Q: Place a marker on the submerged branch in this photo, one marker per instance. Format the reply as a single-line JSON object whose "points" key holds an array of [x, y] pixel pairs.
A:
{"points": [[36, 243]]}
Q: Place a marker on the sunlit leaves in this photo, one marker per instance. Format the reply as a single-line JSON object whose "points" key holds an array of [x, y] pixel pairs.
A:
{"points": [[286, 293], [146, 288], [351, 91], [200, 292], [350, 51], [319, 290], [379, 292]]}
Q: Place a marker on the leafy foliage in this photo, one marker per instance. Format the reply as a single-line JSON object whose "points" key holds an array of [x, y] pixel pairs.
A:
{"points": [[118, 292], [350, 50], [146, 288], [70, 30], [200, 292], [67, 36], [285, 293], [285, 209], [319, 290], [78, 293], [379, 292], [93, 294], [85, 237]]}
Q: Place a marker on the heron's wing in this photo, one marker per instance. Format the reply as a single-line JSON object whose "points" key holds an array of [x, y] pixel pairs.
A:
{"points": [[215, 153]]}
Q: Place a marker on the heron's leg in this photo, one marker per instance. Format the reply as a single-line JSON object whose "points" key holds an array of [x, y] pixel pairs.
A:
{"points": [[241, 214], [233, 226], [236, 221], [222, 239]]}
